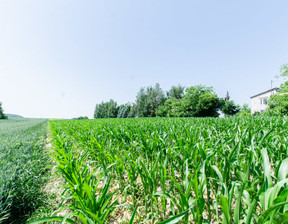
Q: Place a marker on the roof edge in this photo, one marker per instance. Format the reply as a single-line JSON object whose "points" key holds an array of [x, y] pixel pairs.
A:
{"points": [[267, 91]]}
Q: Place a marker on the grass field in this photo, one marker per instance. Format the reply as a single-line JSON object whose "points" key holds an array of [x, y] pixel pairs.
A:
{"points": [[155, 170], [22, 165]]}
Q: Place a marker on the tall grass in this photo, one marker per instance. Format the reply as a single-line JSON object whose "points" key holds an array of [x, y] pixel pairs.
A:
{"points": [[22, 165]]}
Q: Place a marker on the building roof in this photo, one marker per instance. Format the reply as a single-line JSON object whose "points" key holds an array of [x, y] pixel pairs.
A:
{"points": [[270, 90]]}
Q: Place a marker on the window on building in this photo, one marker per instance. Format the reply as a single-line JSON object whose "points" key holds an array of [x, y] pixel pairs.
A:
{"points": [[261, 102], [265, 101]]}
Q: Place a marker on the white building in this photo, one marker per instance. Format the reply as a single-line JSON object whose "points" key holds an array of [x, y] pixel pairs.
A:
{"points": [[259, 102]]}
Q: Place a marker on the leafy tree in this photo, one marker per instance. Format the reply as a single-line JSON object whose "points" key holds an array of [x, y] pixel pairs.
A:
{"points": [[148, 100], [176, 92], [278, 103], [171, 108], [200, 101], [2, 115], [106, 109], [208, 105], [229, 108], [142, 108]]}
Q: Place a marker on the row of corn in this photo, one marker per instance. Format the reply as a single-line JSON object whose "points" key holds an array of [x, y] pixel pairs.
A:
{"points": [[170, 170]]}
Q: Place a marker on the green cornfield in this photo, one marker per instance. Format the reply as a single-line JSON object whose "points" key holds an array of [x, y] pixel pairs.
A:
{"points": [[172, 170]]}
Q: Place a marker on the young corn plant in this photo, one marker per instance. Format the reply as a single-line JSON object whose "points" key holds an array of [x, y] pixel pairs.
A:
{"points": [[188, 170], [273, 197], [91, 203], [149, 175]]}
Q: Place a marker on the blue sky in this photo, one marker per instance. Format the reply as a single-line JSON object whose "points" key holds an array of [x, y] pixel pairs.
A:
{"points": [[58, 58]]}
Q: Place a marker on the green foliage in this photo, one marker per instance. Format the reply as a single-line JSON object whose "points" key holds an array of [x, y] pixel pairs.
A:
{"points": [[123, 111], [132, 111], [148, 100], [200, 101], [284, 70], [171, 108], [229, 108], [106, 110], [278, 103], [83, 184], [171, 170], [176, 92], [2, 115], [22, 163]]}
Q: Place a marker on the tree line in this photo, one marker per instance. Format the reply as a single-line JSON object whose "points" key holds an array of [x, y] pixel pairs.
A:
{"points": [[194, 101], [2, 115], [179, 101]]}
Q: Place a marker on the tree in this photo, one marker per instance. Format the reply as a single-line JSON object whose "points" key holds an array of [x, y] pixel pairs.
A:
{"points": [[171, 108], [123, 111], [278, 103], [176, 92], [200, 101], [133, 111], [148, 100], [106, 109], [229, 108], [142, 108], [2, 115]]}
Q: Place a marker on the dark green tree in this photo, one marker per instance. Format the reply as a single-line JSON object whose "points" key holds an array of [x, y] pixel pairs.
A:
{"points": [[229, 108], [200, 101], [106, 109], [2, 115], [148, 100], [176, 92]]}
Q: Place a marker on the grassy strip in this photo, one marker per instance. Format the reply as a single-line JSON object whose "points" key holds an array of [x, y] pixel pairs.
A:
{"points": [[23, 162]]}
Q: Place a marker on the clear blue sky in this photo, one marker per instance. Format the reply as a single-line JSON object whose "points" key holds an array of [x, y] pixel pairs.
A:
{"points": [[58, 58]]}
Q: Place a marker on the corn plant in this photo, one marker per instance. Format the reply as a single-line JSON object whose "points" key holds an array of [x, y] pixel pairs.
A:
{"points": [[188, 170]]}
